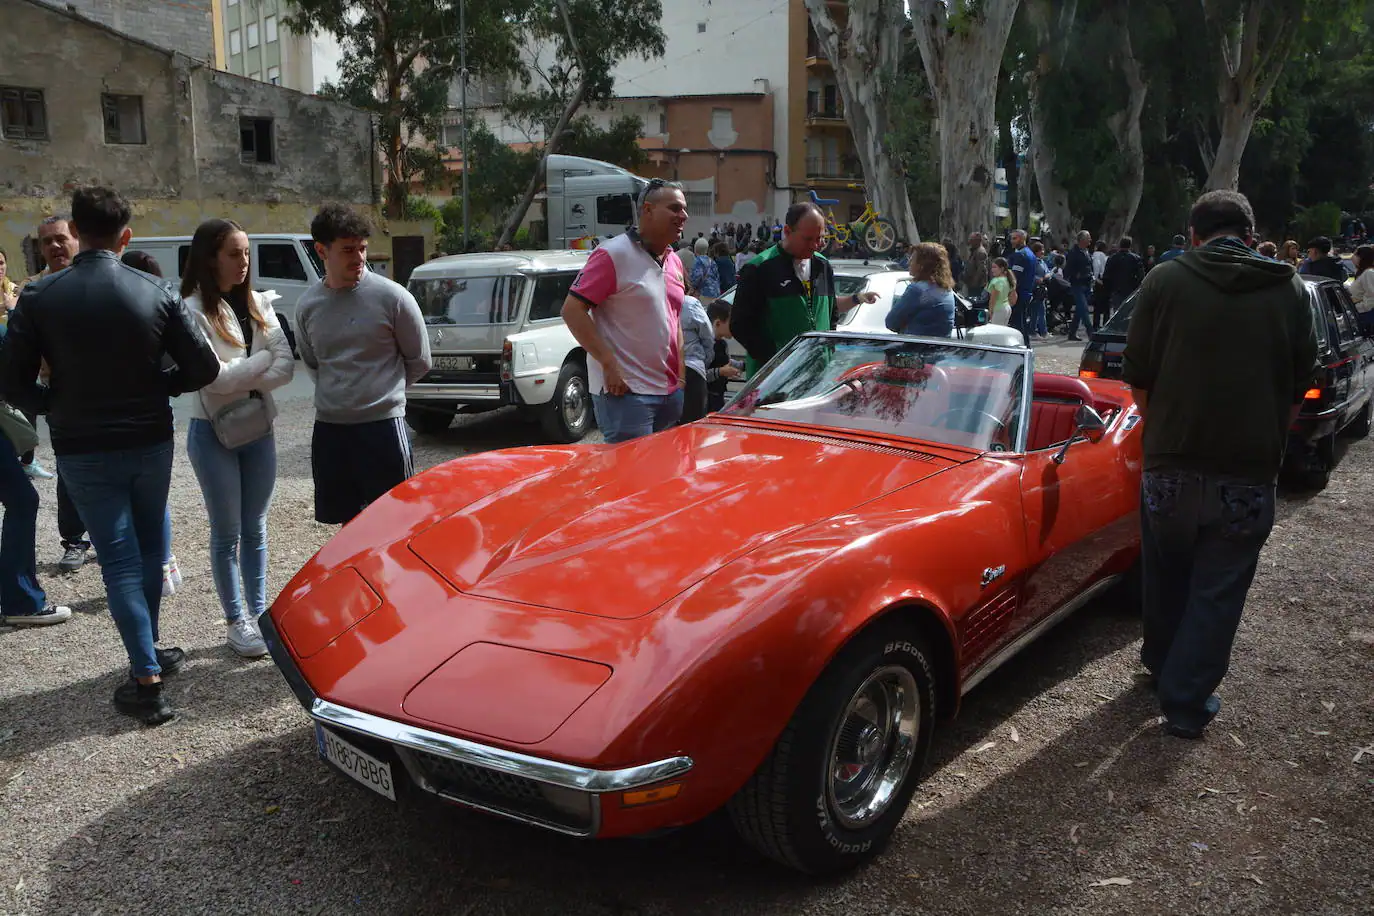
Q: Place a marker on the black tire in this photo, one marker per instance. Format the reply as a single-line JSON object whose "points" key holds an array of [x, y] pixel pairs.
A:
{"points": [[568, 415], [879, 237], [1359, 427], [789, 810], [429, 418]]}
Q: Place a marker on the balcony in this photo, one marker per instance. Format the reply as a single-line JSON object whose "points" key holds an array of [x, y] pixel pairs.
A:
{"points": [[816, 58], [828, 170], [821, 115]]}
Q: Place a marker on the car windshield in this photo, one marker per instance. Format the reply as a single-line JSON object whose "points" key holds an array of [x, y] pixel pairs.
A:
{"points": [[1121, 319], [470, 300], [953, 394]]}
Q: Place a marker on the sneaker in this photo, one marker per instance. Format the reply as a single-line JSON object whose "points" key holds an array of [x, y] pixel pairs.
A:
{"points": [[73, 558], [143, 701], [168, 589], [36, 470], [174, 571], [43, 617], [1191, 732], [245, 639], [170, 660]]}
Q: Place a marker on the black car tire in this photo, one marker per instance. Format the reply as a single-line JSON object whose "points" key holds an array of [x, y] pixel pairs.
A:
{"points": [[429, 418], [1359, 427], [561, 419], [785, 810]]}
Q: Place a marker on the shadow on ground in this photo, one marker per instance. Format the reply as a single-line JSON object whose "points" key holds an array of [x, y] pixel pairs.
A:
{"points": [[317, 844]]}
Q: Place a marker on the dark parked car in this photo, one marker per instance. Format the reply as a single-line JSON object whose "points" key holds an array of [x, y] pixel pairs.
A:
{"points": [[1339, 402]]}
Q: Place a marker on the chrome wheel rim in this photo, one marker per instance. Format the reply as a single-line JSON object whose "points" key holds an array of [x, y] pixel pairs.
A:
{"points": [[874, 747], [574, 404]]}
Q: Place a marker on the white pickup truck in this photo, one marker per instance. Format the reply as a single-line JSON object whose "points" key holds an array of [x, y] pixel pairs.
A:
{"points": [[497, 336]]}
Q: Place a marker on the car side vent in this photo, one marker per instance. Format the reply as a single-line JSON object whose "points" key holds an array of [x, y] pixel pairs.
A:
{"points": [[847, 443]]}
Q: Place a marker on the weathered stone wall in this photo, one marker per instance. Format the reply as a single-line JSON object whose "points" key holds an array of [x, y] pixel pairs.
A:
{"points": [[180, 25], [190, 167], [324, 150]]}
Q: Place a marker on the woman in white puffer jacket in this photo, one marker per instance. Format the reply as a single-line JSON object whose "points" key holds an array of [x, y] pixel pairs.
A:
{"points": [[237, 482]]}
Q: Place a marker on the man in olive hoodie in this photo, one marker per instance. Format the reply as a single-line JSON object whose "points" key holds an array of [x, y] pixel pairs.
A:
{"points": [[1216, 426]]}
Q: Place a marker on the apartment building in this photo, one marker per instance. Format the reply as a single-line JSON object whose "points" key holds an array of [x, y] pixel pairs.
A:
{"points": [[742, 108], [251, 40]]}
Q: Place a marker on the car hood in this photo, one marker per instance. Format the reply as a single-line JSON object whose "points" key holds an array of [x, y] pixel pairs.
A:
{"points": [[622, 529]]}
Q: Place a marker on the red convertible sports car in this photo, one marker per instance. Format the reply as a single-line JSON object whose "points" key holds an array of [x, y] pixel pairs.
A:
{"points": [[766, 611]]}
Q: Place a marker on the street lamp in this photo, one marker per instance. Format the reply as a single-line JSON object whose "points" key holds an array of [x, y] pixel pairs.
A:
{"points": [[463, 102]]}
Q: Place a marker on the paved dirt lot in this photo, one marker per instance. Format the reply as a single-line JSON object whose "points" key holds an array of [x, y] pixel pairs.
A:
{"points": [[1053, 779]]}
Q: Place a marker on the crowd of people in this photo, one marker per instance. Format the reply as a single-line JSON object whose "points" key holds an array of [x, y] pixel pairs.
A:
{"points": [[99, 343]]}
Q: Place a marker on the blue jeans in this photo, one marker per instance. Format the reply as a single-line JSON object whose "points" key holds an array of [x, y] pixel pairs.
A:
{"points": [[623, 417], [237, 485], [1081, 296], [1036, 324], [19, 590], [122, 498], [1201, 537]]}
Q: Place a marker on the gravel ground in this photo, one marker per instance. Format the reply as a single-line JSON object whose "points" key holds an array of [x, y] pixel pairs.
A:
{"points": [[1052, 781]]}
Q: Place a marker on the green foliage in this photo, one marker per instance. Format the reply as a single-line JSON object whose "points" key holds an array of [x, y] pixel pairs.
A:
{"points": [[422, 208], [1319, 219], [399, 60], [618, 144], [912, 139]]}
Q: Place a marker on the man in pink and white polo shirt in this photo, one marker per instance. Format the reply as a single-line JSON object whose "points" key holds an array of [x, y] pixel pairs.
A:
{"points": [[624, 310]]}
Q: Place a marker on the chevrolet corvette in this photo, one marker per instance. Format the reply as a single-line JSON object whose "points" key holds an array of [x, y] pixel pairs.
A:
{"points": [[768, 611]]}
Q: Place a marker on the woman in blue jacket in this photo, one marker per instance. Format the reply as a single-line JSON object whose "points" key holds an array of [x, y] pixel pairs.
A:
{"points": [[926, 309]]}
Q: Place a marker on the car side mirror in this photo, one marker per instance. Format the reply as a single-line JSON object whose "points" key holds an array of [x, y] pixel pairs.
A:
{"points": [[1088, 425]]}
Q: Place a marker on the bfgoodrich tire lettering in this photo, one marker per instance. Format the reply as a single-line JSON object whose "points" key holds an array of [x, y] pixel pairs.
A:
{"points": [[789, 810]]}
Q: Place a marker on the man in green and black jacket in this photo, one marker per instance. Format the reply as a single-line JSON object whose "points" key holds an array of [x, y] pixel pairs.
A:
{"points": [[788, 290]]}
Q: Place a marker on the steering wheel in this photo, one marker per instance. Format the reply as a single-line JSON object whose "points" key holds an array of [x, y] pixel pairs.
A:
{"points": [[1000, 429]]}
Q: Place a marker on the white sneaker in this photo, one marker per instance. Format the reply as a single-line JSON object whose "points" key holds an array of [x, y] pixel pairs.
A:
{"points": [[174, 572], [245, 639], [168, 587], [36, 470]]}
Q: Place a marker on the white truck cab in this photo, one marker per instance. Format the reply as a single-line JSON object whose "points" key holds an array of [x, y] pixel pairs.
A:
{"points": [[497, 337], [285, 263]]}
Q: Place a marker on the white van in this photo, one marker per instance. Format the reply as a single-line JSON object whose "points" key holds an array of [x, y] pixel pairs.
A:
{"points": [[497, 336], [285, 263]]}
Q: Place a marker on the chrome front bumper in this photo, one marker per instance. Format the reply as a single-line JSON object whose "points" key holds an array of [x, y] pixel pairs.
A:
{"points": [[557, 796], [463, 394]]}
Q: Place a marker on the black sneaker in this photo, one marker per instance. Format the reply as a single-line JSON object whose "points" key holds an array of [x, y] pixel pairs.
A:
{"points": [[1194, 732], [143, 701], [170, 660]]}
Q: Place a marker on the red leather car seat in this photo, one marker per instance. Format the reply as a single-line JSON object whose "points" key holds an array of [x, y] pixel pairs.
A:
{"points": [[1055, 402]]}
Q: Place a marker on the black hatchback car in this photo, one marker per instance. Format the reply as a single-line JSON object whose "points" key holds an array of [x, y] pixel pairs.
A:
{"points": [[1338, 404]]}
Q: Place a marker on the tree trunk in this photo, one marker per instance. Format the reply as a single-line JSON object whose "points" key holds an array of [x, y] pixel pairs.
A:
{"points": [[1006, 152], [961, 66], [1025, 187], [1254, 48], [865, 58], [1054, 197], [517, 215], [1053, 30], [1125, 127]]}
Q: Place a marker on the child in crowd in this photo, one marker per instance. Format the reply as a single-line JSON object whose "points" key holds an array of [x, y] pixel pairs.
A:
{"points": [[721, 369], [1001, 293]]}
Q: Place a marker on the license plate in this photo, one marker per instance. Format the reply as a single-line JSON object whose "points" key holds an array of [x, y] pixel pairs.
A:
{"points": [[453, 363], [360, 765]]}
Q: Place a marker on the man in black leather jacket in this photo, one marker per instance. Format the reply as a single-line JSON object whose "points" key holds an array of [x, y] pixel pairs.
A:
{"points": [[103, 329]]}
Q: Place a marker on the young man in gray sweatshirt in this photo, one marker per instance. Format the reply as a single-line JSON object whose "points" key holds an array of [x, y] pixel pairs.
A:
{"points": [[362, 339]]}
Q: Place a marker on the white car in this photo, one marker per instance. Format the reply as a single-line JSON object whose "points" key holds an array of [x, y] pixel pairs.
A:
{"points": [[497, 336]]}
